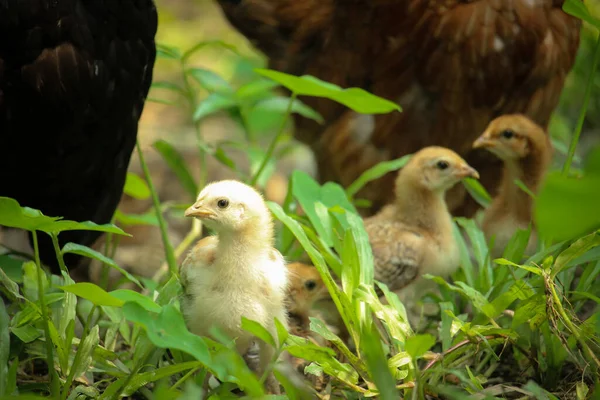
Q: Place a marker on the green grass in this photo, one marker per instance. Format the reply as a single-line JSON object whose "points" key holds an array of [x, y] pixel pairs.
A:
{"points": [[515, 327]]}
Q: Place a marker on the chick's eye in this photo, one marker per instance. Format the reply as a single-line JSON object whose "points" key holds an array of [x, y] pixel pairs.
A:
{"points": [[310, 285], [442, 165], [223, 203], [507, 134]]}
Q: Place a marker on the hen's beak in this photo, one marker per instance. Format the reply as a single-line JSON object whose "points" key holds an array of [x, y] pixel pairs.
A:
{"points": [[466, 171], [483, 142], [198, 210]]}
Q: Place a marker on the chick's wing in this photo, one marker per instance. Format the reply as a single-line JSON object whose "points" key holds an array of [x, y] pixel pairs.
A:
{"points": [[202, 255], [397, 252]]}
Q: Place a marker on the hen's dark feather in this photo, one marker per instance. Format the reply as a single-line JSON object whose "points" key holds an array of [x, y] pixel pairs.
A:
{"points": [[74, 75], [453, 65]]}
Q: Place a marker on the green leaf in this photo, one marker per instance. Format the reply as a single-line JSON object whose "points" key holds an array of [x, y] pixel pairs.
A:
{"points": [[142, 379], [12, 267], [282, 332], [574, 251], [378, 365], [93, 293], [13, 215], [567, 207], [167, 329], [168, 86], [214, 103], [4, 348], [534, 270], [209, 43], [12, 287], [26, 333], [251, 90], [578, 9], [521, 185], [279, 104], [356, 99], [166, 51], [91, 253], [532, 310], [148, 218], [177, 164], [83, 357], [477, 191], [258, 330], [376, 172], [418, 345], [325, 358], [136, 187], [210, 80], [446, 325], [126, 295]]}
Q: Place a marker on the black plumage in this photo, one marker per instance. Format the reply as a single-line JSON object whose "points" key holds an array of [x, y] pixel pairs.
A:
{"points": [[74, 75]]}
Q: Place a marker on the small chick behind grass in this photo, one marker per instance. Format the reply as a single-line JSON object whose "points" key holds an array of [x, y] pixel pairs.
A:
{"points": [[526, 151], [237, 273], [414, 235], [304, 289]]}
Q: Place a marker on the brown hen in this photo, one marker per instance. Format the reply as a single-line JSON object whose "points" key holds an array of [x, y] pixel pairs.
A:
{"points": [[453, 65]]}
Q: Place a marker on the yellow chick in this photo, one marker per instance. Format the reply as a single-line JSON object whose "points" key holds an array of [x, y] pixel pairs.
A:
{"points": [[526, 151], [304, 289], [237, 273], [413, 236]]}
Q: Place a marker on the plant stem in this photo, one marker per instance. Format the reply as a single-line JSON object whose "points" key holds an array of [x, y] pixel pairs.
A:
{"points": [[581, 119], [59, 256], [171, 261], [568, 323], [54, 384], [273, 143], [192, 235]]}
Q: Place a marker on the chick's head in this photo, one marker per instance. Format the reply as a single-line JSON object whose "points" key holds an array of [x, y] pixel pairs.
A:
{"points": [[512, 137], [436, 169], [305, 287], [230, 206]]}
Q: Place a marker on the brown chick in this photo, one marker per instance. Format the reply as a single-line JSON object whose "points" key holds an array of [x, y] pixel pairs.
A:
{"points": [[413, 236], [305, 287], [526, 151]]}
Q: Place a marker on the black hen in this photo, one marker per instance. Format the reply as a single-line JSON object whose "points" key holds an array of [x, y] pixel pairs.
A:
{"points": [[74, 75]]}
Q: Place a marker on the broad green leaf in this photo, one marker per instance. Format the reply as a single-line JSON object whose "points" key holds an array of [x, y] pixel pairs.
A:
{"points": [[93, 293], [136, 187], [142, 379], [318, 326], [167, 329], [12, 287], [357, 99], [258, 330], [378, 365], [12, 268], [418, 345], [567, 207], [14, 216], [574, 251], [254, 89], [210, 80], [4, 348], [83, 357], [26, 333], [91, 253], [148, 218], [68, 309], [126, 295], [282, 332], [534, 270], [519, 290], [477, 191], [578, 9], [279, 104], [376, 172], [166, 51], [170, 86], [178, 165], [515, 248], [446, 325], [214, 103], [325, 358], [532, 310]]}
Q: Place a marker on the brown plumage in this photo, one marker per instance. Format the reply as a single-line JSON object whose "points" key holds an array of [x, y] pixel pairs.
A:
{"points": [[413, 236], [526, 151], [453, 65]]}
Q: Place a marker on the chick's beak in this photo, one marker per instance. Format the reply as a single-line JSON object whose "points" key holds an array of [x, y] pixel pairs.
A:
{"points": [[197, 210], [466, 171], [483, 142]]}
